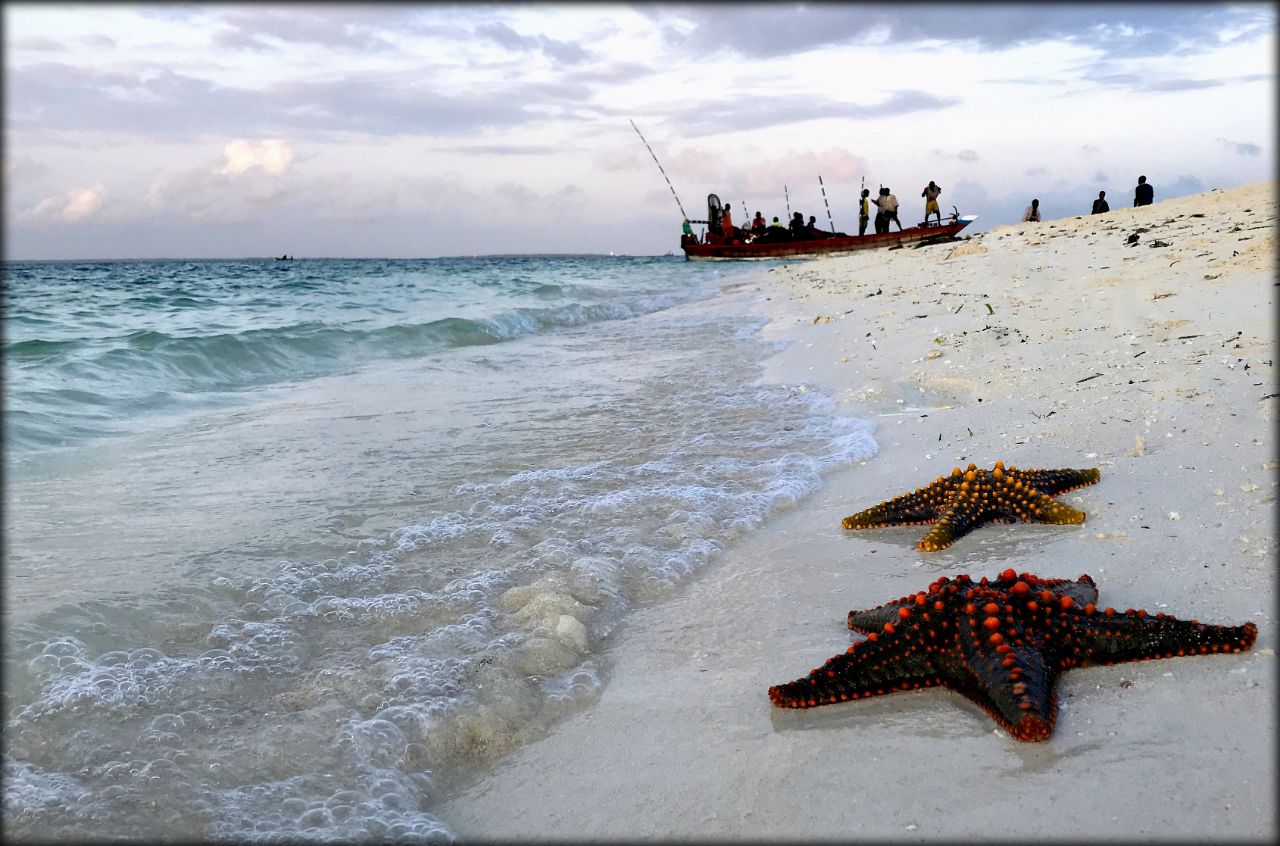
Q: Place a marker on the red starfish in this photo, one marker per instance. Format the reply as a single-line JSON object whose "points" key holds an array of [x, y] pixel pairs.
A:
{"points": [[1002, 644]]}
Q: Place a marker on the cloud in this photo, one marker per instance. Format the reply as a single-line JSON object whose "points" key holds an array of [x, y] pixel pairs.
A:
{"points": [[1183, 185], [22, 168], [963, 155], [336, 27], [765, 111], [36, 44], [1039, 170], [769, 30], [512, 192], [507, 149], [1099, 176], [563, 51], [1090, 149], [1112, 75], [76, 204], [1183, 84], [151, 100], [1241, 148], [271, 155], [795, 169], [98, 40]]}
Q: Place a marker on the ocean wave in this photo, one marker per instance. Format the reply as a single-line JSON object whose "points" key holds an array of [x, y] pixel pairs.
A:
{"points": [[149, 371]]}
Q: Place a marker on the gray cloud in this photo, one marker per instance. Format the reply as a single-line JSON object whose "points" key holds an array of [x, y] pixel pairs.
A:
{"points": [[507, 149], [1241, 148], [98, 40], [1183, 84], [759, 112], [37, 44], [504, 35], [963, 155], [1039, 170], [760, 30], [60, 97], [1099, 176], [1107, 74], [334, 27], [1090, 149], [1183, 185]]}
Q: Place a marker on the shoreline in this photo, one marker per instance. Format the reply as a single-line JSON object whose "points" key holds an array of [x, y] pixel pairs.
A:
{"points": [[1154, 364]]}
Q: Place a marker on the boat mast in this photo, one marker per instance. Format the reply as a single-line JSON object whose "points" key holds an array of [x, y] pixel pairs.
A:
{"points": [[825, 203]]}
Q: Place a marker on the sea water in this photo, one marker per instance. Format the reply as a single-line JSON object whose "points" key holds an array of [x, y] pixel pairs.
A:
{"points": [[291, 547]]}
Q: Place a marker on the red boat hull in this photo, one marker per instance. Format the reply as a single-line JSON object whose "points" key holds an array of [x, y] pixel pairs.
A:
{"points": [[916, 235]]}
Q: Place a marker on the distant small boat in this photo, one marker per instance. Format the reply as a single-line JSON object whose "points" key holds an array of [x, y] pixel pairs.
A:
{"points": [[284, 258], [739, 250]]}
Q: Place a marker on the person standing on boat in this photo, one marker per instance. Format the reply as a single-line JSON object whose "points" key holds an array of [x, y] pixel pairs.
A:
{"points": [[1100, 205], [1144, 194], [864, 212], [930, 193], [890, 206], [686, 233], [726, 223], [881, 225], [1032, 214]]}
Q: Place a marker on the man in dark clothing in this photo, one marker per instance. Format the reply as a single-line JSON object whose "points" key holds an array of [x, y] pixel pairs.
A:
{"points": [[864, 213], [1100, 205], [1144, 194], [797, 227]]}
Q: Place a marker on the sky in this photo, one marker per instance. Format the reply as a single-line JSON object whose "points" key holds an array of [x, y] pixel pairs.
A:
{"points": [[403, 130]]}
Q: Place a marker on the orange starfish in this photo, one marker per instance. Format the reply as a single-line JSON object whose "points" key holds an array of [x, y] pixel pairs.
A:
{"points": [[959, 503]]}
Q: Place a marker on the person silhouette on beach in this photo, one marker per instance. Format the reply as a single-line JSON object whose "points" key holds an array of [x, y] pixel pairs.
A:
{"points": [[1144, 194], [1032, 214], [1100, 205]]}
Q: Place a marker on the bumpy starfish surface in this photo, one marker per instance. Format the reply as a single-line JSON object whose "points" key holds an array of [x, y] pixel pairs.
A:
{"points": [[961, 502], [1002, 644]]}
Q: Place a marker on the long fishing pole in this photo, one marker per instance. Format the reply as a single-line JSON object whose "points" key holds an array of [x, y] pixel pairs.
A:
{"points": [[663, 172], [825, 203], [787, 194]]}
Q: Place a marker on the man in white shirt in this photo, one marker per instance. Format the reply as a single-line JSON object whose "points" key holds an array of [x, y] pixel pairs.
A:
{"points": [[1032, 214]]}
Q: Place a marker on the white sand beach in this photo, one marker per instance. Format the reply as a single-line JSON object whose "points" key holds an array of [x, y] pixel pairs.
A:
{"points": [[1047, 345]]}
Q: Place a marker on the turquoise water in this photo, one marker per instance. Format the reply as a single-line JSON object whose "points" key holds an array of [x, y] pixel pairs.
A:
{"points": [[291, 548]]}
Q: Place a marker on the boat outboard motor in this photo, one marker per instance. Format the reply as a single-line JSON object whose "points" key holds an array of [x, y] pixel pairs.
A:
{"points": [[715, 213]]}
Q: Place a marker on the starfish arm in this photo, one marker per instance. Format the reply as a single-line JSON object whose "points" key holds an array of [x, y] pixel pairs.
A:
{"points": [[1040, 508], [873, 619], [1016, 687], [1055, 482], [1101, 638], [960, 518], [920, 506], [868, 668]]}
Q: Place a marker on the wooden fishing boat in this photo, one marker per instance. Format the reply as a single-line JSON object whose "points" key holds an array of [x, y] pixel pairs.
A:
{"points": [[718, 248]]}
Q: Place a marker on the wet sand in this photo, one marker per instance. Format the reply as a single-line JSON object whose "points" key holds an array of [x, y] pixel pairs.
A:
{"points": [[1057, 344]]}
